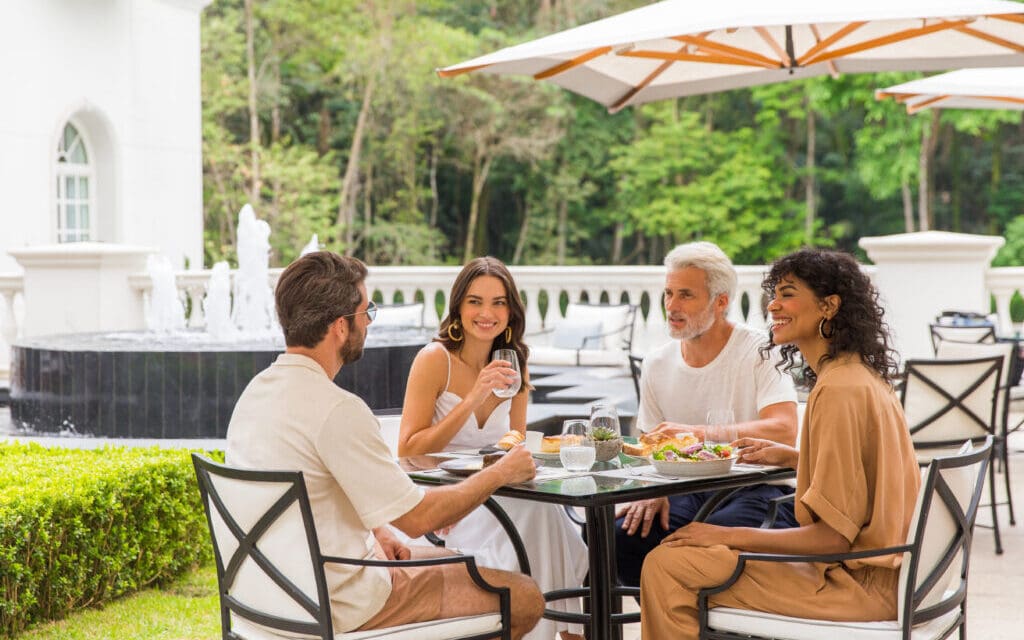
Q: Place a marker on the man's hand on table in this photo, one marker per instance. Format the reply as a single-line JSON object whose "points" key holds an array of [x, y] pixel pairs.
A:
{"points": [[675, 429], [641, 515], [393, 549], [516, 466]]}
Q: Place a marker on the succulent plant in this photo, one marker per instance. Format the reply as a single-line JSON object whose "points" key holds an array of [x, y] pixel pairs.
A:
{"points": [[603, 434]]}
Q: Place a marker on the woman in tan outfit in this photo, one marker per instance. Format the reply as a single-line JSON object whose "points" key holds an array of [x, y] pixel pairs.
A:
{"points": [[857, 478]]}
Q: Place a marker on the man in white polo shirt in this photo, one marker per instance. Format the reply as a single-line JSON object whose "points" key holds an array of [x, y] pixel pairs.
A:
{"points": [[293, 417]]}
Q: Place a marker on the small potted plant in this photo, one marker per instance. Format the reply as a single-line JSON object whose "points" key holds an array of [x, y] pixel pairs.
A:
{"points": [[607, 443]]}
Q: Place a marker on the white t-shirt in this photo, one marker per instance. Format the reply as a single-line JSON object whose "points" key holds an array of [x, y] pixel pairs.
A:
{"points": [[292, 417], [737, 379]]}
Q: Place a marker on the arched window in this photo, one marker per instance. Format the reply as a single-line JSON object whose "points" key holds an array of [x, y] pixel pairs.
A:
{"points": [[76, 220]]}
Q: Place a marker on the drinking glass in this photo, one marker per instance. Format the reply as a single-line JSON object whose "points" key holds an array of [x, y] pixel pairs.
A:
{"points": [[604, 415], [721, 427], [513, 359], [577, 452]]}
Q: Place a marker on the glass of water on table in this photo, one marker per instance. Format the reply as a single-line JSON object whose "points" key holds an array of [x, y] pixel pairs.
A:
{"points": [[510, 356], [577, 451]]}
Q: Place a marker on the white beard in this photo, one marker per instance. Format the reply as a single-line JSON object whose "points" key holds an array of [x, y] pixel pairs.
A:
{"points": [[695, 326]]}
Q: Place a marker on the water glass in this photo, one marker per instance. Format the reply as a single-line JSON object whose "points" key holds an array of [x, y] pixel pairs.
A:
{"points": [[721, 427], [577, 452], [605, 415], [513, 360]]}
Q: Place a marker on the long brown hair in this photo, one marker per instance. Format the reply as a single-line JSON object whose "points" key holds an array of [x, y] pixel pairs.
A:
{"points": [[486, 266]]}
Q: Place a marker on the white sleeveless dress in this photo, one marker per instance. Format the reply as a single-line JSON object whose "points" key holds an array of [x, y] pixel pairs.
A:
{"points": [[557, 554]]}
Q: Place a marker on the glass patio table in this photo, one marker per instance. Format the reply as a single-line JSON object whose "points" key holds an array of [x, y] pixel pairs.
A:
{"points": [[597, 492]]}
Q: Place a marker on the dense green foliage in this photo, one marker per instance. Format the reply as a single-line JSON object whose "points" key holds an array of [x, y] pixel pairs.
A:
{"points": [[80, 527], [346, 131]]}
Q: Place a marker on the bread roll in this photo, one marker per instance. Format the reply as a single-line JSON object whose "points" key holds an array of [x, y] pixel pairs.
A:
{"points": [[510, 439], [636, 450]]}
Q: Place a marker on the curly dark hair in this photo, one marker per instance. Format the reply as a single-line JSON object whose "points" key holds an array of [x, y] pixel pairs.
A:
{"points": [[858, 325], [486, 266]]}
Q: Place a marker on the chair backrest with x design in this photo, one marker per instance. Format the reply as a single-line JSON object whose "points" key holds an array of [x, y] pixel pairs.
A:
{"points": [[933, 576], [950, 350], [948, 401], [979, 334], [251, 514]]}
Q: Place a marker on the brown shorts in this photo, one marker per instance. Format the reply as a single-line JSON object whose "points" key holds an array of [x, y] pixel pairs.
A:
{"points": [[430, 593]]}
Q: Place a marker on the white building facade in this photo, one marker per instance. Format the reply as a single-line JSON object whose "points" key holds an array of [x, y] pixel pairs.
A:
{"points": [[100, 125]]}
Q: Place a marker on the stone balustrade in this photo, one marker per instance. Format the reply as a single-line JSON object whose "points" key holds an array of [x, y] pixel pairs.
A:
{"points": [[542, 288]]}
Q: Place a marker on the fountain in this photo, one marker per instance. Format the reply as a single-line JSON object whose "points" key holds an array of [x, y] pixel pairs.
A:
{"points": [[171, 382]]}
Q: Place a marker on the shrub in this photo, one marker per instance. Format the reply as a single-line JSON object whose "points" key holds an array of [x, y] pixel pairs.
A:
{"points": [[79, 527]]}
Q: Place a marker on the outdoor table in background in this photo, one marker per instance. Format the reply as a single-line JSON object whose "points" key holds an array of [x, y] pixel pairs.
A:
{"points": [[597, 492]]}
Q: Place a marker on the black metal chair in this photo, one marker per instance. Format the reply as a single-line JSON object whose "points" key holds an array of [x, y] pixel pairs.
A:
{"points": [[635, 369], [932, 596], [977, 333], [950, 350], [949, 401], [270, 571]]}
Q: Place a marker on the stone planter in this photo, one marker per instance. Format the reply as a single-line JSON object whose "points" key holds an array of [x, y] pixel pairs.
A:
{"points": [[607, 449]]}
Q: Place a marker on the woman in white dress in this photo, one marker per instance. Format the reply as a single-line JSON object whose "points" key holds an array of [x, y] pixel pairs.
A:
{"points": [[449, 405]]}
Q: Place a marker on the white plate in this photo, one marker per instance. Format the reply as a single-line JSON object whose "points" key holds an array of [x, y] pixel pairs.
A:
{"points": [[684, 468]]}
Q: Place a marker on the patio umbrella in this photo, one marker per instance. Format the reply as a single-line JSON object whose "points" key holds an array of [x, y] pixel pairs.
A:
{"points": [[1001, 88], [687, 47]]}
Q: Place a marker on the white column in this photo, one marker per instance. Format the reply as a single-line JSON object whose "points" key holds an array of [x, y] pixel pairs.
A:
{"points": [[919, 275], [81, 287]]}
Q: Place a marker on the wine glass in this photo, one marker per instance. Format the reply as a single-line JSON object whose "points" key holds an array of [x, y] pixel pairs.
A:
{"points": [[604, 415], [577, 451], [512, 358], [721, 427]]}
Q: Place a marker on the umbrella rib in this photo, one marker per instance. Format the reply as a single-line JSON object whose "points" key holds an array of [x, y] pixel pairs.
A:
{"points": [[1009, 17], [924, 104], [771, 42], [673, 56], [874, 43], [451, 73], [832, 70], [741, 54], [991, 38], [570, 64], [624, 101], [829, 41]]}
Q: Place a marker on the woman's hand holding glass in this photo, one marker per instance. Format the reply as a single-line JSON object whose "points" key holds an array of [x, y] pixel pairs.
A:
{"points": [[497, 375], [510, 357]]}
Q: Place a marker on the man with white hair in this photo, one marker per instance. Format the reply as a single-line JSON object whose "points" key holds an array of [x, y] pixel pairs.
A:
{"points": [[711, 364]]}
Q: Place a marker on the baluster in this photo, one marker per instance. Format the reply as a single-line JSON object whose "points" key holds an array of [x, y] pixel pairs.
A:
{"points": [[1003, 297], [197, 318], [534, 319]]}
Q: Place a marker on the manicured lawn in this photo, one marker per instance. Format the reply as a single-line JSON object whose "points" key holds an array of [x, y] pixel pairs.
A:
{"points": [[184, 610]]}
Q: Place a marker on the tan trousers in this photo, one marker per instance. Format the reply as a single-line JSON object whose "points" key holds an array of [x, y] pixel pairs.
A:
{"points": [[672, 577]]}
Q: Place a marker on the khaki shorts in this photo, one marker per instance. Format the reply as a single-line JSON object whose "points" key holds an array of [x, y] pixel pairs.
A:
{"points": [[419, 594]]}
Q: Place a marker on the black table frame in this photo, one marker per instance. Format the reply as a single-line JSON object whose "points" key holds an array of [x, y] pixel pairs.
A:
{"points": [[605, 620]]}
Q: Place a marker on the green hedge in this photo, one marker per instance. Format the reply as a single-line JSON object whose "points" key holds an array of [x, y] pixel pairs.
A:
{"points": [[79, 527]]}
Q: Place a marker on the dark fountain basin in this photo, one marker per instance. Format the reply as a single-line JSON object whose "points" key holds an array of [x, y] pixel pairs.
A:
{"points": [[145, 385]]}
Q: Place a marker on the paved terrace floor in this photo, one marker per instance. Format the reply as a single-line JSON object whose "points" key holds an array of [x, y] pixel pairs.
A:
{"points": [[996, 582]]}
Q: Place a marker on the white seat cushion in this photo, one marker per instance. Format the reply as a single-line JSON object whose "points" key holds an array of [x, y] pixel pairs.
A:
{"points": [[771, 625], [432, 630]]}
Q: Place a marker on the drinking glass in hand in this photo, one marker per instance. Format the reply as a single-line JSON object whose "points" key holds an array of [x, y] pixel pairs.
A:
{"points": [[721, 427], [604, 415], [577, 451], [510, 356]]}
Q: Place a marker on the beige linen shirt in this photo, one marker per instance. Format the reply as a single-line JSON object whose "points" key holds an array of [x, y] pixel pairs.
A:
{"points": [[293, 417], [857, 468]]}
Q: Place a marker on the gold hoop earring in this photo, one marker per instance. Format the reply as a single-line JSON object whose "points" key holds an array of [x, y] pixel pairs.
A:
{"points": [[508, 335], [455, 325], [821, 330]]}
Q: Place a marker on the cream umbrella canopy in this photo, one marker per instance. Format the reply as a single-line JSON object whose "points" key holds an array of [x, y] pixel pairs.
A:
{"points": [[998, 88], [686, 47]]}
